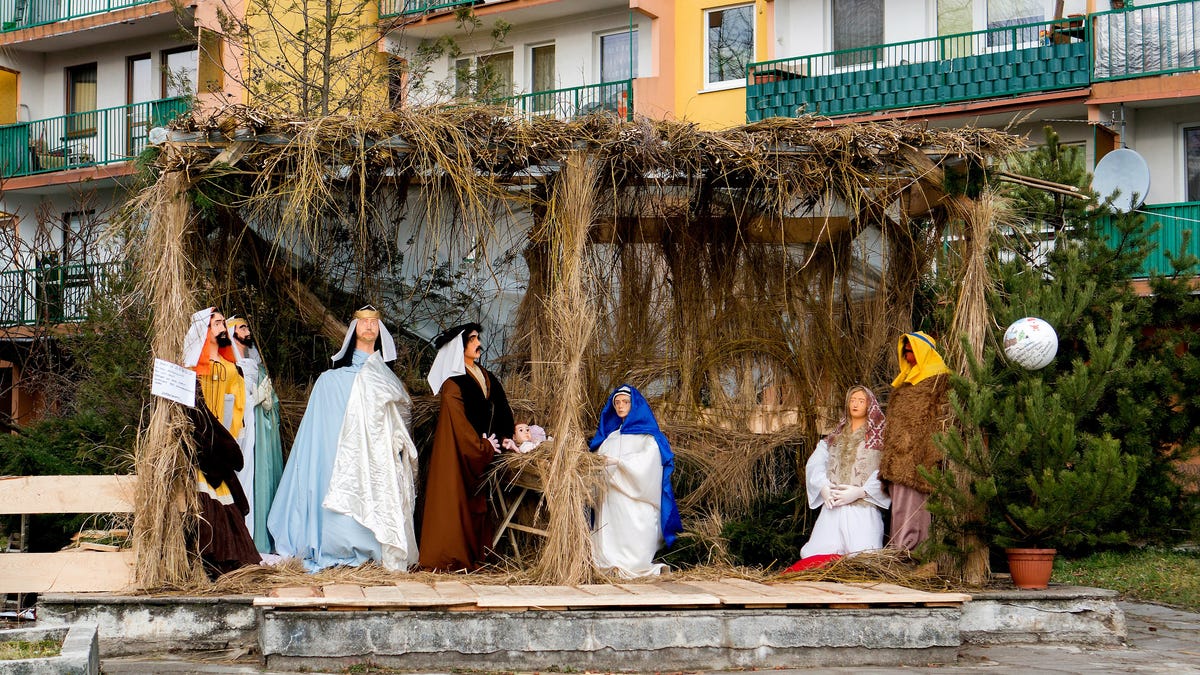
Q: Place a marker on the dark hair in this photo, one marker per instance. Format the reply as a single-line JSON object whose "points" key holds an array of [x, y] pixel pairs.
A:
{"points": [[450, 333]]}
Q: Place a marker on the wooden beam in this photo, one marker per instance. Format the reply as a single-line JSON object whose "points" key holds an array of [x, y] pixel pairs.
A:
{"points": [[66, 494], [759, 230], [66, 572]]}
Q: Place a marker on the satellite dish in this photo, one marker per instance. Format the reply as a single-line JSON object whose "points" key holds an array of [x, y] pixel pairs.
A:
{"points": [[1125, 170]]}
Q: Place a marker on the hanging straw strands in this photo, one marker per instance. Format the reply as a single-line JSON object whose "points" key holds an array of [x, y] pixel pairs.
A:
{"points": [[741, 278]]}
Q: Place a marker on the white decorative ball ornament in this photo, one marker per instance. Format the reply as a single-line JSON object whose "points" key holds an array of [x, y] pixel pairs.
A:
{"points": [[1030, 343]]}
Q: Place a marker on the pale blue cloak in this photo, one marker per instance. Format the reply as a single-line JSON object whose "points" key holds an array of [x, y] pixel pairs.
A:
{"points": [[301, 526]]}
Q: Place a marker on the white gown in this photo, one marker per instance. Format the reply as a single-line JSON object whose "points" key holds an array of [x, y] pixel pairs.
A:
{"points": [[627, 531], [843, 529]]}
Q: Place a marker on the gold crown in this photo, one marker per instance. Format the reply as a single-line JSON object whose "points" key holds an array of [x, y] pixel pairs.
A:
{"points": [[368, 312]]}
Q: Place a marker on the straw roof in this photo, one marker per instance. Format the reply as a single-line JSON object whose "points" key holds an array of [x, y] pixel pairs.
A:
{"points": [[743, 278]]}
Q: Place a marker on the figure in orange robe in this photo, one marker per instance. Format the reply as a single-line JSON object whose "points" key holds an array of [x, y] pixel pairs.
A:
{"points": [[474, 420]]}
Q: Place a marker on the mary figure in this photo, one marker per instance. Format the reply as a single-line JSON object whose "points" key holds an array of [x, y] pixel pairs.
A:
{"points": [[637, 514]]}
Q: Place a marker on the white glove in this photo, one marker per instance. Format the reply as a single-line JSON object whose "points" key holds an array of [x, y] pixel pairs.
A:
{"points": [[495, 443], [827, 495], [844, 495], [265, 395]]}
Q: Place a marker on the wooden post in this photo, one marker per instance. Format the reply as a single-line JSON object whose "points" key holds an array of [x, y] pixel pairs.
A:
{"points": [[163, 456]]}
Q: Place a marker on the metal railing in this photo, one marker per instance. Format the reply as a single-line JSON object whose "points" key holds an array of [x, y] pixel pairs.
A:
{"points": [[77, 140], [1004, 61], [390, 8], [1172, 220], [18, 14], [51, 294], [1151, 40], [612, 97]]}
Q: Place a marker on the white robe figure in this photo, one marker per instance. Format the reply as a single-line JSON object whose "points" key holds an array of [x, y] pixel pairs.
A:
{"points": [[843, 529], [628, 529]]}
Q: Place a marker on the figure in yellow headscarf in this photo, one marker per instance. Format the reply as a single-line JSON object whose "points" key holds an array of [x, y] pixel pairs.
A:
{"points": [[916, 410]]}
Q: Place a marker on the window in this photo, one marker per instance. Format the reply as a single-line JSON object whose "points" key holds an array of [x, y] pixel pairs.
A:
{"points": [[485, 77], [728, 44], [618, 56], [1003, 13], [179, 70], [856, 24], [1191, 149], [543, 78], [81, 98], [397, 75]]}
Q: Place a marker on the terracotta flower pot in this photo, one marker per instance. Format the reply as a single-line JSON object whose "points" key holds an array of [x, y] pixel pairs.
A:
{"points": [[1030, 567]]}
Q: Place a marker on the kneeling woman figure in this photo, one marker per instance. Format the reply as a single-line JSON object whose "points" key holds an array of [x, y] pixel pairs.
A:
{"points": [[843, 481], [637, 514]]}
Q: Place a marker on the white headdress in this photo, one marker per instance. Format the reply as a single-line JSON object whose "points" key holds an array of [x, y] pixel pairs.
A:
{"points": [[450, 360], [197, 335], [369, 312]]}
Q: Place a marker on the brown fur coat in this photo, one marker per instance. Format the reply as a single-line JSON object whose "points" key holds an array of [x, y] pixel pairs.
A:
{"points": [[914, 414]]}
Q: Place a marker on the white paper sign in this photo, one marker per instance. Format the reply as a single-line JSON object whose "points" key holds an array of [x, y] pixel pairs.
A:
{"points": [[174, 382]]}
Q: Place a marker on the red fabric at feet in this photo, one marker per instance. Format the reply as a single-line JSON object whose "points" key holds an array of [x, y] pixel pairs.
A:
{"points": [[812, 562]]}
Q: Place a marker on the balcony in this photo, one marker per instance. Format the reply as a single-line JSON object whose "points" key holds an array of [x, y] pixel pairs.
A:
{"points": [[991, 63], [613, 97], [52, 293], [393, 8], [78, 140], [20, 14], [1172, 220], [1141, 41]]}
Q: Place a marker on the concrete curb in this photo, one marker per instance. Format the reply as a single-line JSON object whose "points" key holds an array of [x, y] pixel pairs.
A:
{"points": [[80, 652]]}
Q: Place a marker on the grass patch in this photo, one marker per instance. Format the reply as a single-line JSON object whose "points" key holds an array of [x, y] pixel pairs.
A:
{"points": [[1152, 575], [25, 649]]}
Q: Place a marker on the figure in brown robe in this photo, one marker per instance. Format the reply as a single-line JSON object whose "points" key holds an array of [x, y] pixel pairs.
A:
{"points": [[222, 538], [474, 419], [916, 410]]}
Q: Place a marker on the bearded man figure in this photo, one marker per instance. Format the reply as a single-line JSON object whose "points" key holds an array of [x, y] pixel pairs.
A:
{"points": [[262, 450], [223, 541], [474, 412], [347, 493]]}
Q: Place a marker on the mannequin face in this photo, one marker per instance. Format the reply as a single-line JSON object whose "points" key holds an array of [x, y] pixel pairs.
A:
{"points": [[909, 357], [621, 405], [242, 333], [472, 347], [366, 331], [858, 405], [521, 433], [217, 331]]}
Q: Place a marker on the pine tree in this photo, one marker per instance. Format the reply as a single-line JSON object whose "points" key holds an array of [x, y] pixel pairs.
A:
{"points": [[1054, 456]]}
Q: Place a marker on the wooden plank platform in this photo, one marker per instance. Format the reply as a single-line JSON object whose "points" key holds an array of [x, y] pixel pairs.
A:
{"points": [[733, 593]]}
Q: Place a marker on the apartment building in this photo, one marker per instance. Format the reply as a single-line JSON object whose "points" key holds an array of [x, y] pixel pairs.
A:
{"points": [[1103, 74]]}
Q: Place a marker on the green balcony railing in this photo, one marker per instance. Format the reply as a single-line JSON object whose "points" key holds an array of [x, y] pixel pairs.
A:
{"points": [[1172, 220], [612, 97], [83, 139], [997, 62], [51, 293], [390, 8], [1147, 40], [18, 14]]}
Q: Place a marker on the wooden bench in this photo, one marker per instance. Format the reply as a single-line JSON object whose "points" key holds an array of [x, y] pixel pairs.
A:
{"points": [[73, 570]]}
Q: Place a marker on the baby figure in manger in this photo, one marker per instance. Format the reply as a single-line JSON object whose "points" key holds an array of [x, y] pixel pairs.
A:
{"points": [[526, 437]]}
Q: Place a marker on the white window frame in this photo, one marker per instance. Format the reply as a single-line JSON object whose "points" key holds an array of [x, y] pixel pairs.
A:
{"points": [[736, 82], [599, 55], [529, 63], [474, 57]]}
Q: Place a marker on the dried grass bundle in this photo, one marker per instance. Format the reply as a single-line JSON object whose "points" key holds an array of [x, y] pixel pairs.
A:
{"points": [[163, 454], [880, 566]]}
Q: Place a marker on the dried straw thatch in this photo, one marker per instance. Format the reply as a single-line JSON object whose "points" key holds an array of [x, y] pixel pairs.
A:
{"points": [[741, 278]]}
